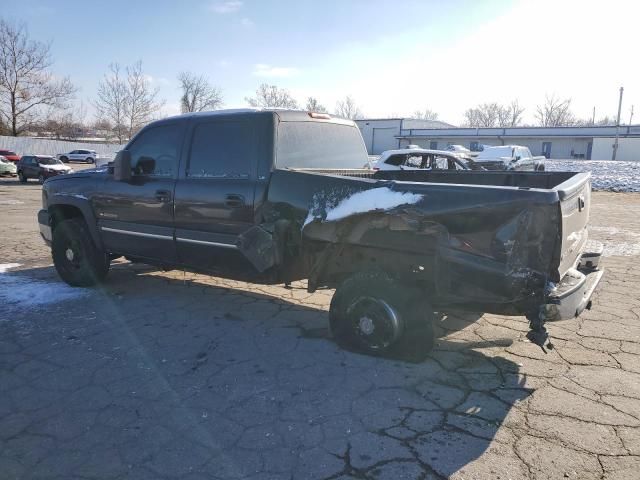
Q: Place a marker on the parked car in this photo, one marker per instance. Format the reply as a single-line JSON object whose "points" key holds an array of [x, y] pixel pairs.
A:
{"points": [[40, 167], [87, 156], [419, 159], [7, 167], [273, 196], [10, 155], [509, 157]]}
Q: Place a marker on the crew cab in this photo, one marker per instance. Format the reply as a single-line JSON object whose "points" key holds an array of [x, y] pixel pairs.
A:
{"points": [[276, 196], [86, 156], [508, 157], [419, 159]]}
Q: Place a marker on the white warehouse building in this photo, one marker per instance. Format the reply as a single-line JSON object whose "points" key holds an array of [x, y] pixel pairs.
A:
{"points": [[591, 143]]}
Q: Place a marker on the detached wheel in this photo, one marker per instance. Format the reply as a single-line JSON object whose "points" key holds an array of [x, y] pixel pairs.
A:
{"points": [[22, 178], [76, 258], [375, 314]]}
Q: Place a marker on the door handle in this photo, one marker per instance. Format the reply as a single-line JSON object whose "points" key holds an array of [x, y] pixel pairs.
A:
{"points": [[163, 195], [233, 200]]}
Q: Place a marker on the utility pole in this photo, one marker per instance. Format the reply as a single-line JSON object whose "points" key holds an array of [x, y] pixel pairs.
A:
{"points": [[615, 144], [631, 116], [593, 119]]}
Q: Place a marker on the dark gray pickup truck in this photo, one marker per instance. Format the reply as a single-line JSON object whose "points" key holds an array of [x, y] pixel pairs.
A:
{"points": [[278, 196]]}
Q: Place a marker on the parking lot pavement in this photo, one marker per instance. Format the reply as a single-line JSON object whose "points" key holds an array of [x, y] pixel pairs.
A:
{"points": [[171, 375]]}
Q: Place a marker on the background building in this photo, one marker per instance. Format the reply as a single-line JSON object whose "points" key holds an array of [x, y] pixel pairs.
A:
{"points": [[594, 143]]}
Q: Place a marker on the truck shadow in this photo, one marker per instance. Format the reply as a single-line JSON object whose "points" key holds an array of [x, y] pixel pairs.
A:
{"points": [[242, 345]]}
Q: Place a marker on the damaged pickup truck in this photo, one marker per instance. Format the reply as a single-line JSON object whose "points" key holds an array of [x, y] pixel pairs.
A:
{"points": [[275, 196]]}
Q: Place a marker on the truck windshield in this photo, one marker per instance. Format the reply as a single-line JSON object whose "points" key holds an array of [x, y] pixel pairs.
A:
{"points": [[320, 145]]}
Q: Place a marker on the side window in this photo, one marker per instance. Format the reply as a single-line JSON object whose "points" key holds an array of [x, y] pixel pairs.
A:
{"points": [[441, 163], [155, 151], [395, 160], [413, 161], [222, 150]]}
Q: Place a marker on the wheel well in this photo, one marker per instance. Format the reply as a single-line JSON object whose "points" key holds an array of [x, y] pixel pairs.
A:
{"points": [[59, 213]]}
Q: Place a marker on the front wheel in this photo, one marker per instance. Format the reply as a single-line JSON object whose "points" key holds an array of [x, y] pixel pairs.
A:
{"points": [[90, 160], [375, 314], [76, 258]]}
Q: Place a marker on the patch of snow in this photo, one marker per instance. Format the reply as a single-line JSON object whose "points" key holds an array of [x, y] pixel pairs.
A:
{"points": [[21, 291], [609, 175], [617, 242], [382, 198], [8, 266], [11, 201]]}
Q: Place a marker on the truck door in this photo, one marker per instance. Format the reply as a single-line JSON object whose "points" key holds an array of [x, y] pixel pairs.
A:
{"points": [[215, 192], [136, 218]]}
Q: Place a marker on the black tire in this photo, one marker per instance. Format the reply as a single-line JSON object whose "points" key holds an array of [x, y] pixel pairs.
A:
{"points": [[64, 159], [22, 178], [91, 160], [374, 314], [75, 256]]}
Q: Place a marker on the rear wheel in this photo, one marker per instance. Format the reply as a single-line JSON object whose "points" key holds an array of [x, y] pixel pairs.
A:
{"points": [[22, 177], [76, 258], [375, 314]]}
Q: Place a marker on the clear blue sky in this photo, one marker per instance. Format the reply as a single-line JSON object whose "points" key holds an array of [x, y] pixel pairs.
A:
{"points": [[393, 57]]}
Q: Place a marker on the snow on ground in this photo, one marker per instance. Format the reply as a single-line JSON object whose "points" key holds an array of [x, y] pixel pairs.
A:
{"points": [[614, 176], [19, 290]]}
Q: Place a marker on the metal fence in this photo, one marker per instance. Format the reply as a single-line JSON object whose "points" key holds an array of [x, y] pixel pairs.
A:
{"points": [[42, 146]]}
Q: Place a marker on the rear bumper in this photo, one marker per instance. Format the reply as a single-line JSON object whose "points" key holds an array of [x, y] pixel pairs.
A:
{"points": [[573, 294], [45, 227]]}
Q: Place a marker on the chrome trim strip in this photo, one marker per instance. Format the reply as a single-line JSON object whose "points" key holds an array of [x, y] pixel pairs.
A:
{"points": [[136, 234], [202, 242]]}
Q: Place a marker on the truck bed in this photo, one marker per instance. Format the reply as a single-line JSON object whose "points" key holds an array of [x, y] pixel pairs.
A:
{"points": [[495, 230]]}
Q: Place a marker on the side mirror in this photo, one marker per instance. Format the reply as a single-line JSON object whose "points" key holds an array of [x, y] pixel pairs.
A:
{"points": [[122, 166]]}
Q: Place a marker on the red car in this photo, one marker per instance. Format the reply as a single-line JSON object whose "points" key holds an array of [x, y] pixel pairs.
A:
{"points": [[9, 155]]}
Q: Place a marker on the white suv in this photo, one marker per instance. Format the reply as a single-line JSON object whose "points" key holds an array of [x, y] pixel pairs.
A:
{"points": [[88, 156]]}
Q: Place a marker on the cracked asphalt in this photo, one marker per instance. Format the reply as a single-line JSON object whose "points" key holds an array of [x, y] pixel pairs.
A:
{"points": [[162, 375]]}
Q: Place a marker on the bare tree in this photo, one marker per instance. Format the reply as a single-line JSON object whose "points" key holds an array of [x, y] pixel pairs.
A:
{"points": [[142, 100], [270, 96], [126, 100], [483, 115], [26, 83], [494, 115], [198, 94], [111, 103], [314, 106], [555, 112], [510, 115], [347, 108], [426, 114]]}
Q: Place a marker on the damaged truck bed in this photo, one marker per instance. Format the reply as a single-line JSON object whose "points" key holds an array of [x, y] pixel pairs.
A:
{"points": [[397, 246]]}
